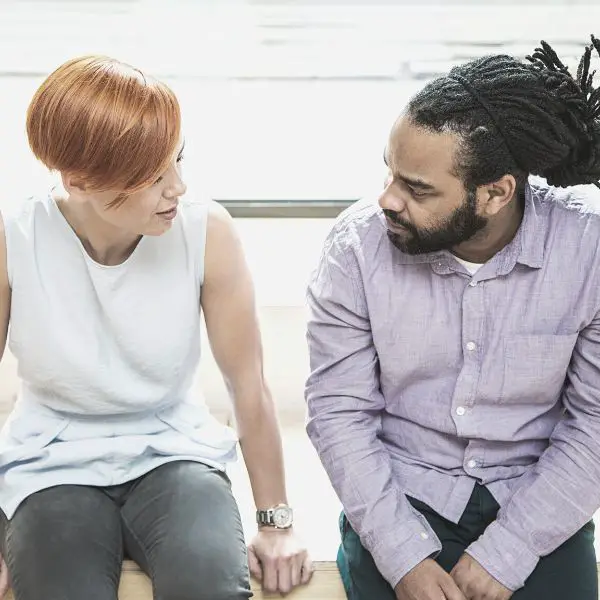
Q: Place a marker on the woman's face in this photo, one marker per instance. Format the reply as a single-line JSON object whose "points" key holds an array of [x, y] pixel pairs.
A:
{"points": [[150, 211]]}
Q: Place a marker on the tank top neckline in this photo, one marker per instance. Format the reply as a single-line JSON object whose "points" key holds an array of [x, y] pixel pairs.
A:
{"points": [[71, 232]]}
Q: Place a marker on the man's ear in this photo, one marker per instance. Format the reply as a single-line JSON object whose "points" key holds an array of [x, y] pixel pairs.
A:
{"points": [[493, 197], [73, 183]]}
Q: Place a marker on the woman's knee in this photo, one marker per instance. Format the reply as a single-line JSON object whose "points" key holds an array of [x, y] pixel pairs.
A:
{"points": [[211, 565], [188, 583], [190, 538]]}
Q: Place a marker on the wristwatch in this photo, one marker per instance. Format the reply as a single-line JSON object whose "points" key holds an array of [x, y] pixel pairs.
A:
{"points": [[280, 516]]}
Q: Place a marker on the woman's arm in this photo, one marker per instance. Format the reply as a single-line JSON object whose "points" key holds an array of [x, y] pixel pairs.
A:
{"points": [[233, 331], [228, 303], [4, 319], [4, 290]]}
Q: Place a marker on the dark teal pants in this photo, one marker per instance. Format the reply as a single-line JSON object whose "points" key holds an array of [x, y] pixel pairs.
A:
{"points": [[569, 573]]}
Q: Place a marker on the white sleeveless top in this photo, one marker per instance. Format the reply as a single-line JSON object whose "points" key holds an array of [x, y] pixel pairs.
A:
{"points": [[106, 356]]}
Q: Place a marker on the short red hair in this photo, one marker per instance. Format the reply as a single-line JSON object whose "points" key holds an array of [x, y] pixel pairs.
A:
{"points": [[105, 122]]}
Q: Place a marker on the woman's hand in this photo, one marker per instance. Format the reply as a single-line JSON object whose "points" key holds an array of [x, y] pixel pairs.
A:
{"points": [[279, 560]]}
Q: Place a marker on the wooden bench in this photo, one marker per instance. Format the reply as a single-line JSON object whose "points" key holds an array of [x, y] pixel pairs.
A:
{"points": [[325, 585]]}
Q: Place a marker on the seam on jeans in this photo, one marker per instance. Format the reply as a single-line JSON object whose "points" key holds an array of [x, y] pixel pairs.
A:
{"points": [[142, 548]]}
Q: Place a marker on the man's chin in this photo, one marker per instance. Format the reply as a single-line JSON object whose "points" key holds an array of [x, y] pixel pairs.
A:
{"points": [[406, 243]]}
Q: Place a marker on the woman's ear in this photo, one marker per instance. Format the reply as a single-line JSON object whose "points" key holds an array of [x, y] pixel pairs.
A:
{"points": [[73, 184]]}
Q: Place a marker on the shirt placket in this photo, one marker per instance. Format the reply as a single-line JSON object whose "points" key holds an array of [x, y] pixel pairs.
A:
{"points": [[465, 392]]}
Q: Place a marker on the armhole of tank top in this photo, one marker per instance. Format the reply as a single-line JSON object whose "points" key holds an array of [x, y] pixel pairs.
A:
{"points": [[202, 216]]}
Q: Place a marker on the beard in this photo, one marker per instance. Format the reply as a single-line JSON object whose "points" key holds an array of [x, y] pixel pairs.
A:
{"points": [[457, 228]]}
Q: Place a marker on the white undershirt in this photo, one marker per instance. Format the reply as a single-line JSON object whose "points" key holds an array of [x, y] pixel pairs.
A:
{"points": [[470, 266]]}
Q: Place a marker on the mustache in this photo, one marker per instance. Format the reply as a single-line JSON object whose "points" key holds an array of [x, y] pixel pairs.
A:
{"points": [[395, 218]]}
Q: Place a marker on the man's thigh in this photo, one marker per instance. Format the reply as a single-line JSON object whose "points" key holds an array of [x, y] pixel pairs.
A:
{"points": [[64, 542], [361, 577], [569, 572], [363, 581], [182, 525]]}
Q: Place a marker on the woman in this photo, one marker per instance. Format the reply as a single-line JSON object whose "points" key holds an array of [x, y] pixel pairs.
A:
{"points": [[107, 454]]}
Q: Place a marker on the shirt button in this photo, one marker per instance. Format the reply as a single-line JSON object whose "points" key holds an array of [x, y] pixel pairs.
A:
{"points": [[424, 536], [461, 410], [472, 283], [471, 346], [472, 464]]}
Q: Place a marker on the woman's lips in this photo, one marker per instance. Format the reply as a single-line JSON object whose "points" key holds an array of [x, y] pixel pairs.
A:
{"points": [[169, 215]]}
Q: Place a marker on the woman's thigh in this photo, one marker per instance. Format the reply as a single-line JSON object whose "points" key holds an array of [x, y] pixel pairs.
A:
{"points": [[64, 542], [182, 525]]}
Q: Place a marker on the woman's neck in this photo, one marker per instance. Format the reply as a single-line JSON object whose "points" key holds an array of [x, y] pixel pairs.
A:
{"points": [[105, 244]]}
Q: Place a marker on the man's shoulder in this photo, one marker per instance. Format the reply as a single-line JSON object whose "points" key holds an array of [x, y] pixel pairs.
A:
{"points": [[572, 211], [571, 201], [360, 221]]}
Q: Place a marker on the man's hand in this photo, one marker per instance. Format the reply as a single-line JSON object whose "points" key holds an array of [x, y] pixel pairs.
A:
{"points": [[279, 560], [476, 583], [428, 581]]}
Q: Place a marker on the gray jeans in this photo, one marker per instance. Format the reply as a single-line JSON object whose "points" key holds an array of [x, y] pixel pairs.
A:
{"points": [[180, 523]]}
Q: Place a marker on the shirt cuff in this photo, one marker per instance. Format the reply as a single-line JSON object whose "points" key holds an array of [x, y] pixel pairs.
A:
{"points": [[395, 556], [504, 556]]}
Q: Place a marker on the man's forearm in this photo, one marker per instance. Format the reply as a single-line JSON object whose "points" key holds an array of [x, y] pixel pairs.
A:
{"points": [[359, 466], [551, 505]]}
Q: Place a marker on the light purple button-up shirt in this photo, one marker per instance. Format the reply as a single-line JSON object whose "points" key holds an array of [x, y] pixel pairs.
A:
{"points": [[425, 380]]}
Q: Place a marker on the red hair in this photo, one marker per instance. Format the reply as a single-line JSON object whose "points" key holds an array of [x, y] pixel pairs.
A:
{"points": [[106, 123]]}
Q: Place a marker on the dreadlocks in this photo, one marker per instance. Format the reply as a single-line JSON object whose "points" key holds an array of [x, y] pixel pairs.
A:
{"points": [[518, 118]]}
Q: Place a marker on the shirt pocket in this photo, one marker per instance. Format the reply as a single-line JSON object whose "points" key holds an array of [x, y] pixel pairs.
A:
{"points": [[535, 367]]}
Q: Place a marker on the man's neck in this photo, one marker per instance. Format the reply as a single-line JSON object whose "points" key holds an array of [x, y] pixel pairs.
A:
{"points": [[497, 234]]}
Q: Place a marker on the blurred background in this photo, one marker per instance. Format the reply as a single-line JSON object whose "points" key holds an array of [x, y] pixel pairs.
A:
{"points": [[287, 104], [287, 107]]}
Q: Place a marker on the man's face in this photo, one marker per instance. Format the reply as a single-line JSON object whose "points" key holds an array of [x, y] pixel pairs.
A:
{"points": [[426, 206]]}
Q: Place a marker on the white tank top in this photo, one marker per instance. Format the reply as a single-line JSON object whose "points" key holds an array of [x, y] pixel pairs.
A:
{"points": [[107, 355]]}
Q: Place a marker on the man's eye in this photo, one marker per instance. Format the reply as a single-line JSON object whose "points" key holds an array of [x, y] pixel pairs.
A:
{"points": [[417, 193]]}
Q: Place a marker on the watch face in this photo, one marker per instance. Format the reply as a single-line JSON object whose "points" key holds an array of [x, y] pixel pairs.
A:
{"points": [[282, 517]]}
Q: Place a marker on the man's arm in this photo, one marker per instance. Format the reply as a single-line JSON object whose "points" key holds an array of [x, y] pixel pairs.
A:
{"points": [[564, 492], [344, 406]]}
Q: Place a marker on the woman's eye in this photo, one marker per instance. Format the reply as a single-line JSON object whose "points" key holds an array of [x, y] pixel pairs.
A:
{"points": [[179, 159]]}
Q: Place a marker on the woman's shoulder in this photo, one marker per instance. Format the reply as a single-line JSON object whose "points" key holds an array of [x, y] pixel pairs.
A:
{"points": [[19, 224], [204, 218], [23, 213], [202, 208]]}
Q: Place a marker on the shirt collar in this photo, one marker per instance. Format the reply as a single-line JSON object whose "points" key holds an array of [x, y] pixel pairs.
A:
{"points": [[529, 240], [526, 247]]}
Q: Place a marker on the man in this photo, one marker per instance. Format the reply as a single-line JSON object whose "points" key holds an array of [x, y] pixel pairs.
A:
{"points": [[454, 335]]}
